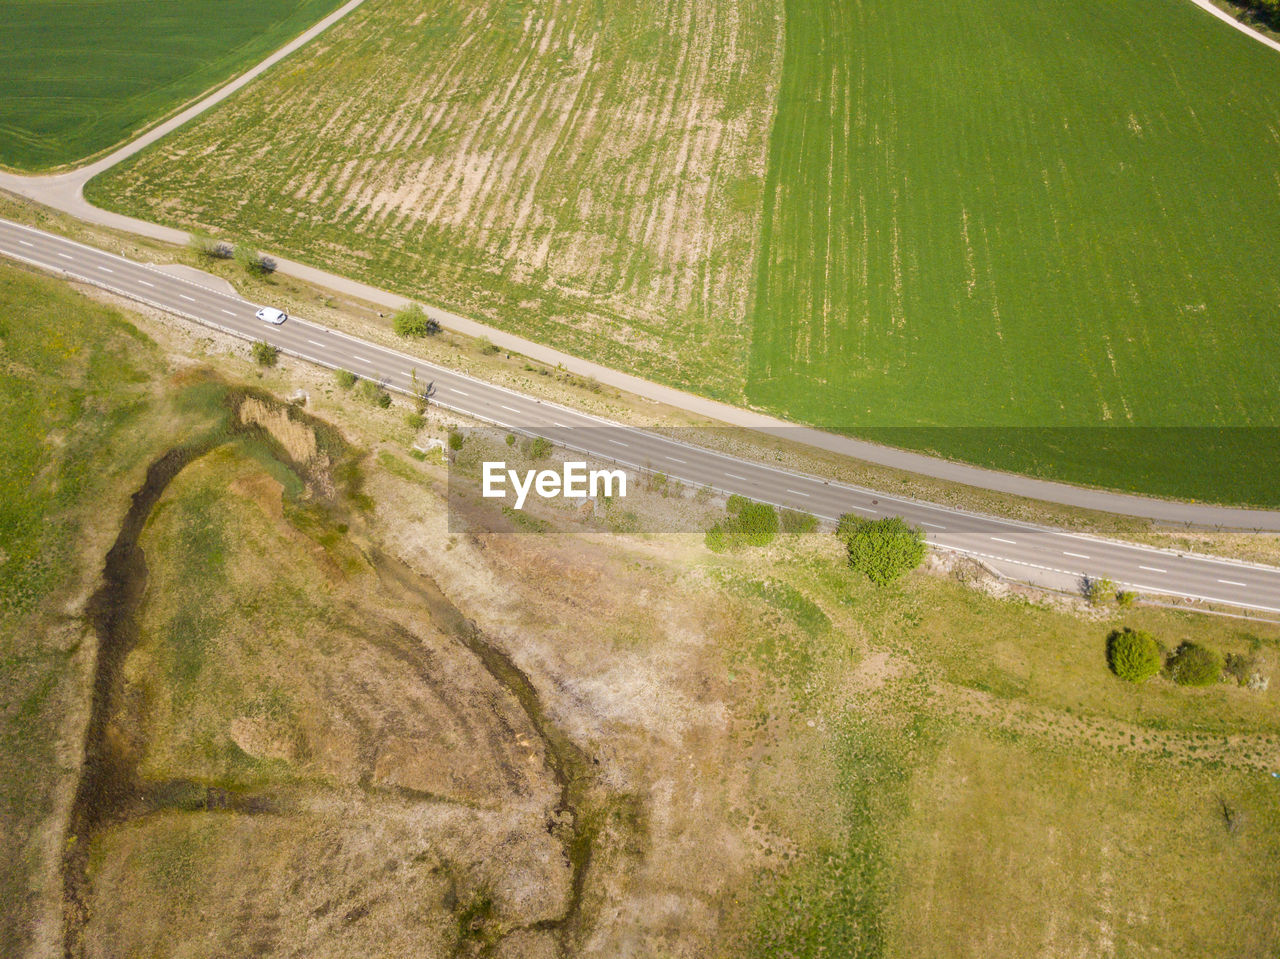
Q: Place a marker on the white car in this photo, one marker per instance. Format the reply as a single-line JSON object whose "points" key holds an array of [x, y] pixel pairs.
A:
{"points": [[272, 315]]}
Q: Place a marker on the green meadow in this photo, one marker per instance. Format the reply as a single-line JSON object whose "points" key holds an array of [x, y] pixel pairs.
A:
{"points": [[79, 76], [1001, 215]]}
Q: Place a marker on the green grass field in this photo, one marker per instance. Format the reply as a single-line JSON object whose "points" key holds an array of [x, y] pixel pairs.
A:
{"points": [[879, 217], [79, 76], [80, 414], [977, 783], [1008, 216]]}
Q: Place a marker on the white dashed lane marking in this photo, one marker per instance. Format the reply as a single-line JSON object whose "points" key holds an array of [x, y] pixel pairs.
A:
{"points": [[189, 299], [931, 525], [1076, 555], [145, 283], [1154, 569], [736, 476], [1231, 582], [798, 493], [106, 269], [25, 243], [509, 409], [1009, 541]]}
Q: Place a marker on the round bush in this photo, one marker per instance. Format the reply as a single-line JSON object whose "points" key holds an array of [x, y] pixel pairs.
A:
{"points": [[1194, 665], [883, 549], [1133, 655]]}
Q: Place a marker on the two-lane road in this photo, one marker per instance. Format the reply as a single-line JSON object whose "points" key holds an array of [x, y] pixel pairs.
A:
{"points": [[1012, 547]]}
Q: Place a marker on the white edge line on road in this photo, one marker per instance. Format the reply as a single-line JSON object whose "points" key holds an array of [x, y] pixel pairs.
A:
{"points": [[1160, 590]]}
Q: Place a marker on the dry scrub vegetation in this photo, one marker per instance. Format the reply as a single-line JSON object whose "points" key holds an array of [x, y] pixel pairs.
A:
{"points": [[588, 176], [354, 730]]}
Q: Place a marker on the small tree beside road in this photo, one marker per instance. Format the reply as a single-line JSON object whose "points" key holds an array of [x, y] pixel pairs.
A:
{"points": [[882, 549], [253, 261], [412, 320], [207, 248], [264, 354]]}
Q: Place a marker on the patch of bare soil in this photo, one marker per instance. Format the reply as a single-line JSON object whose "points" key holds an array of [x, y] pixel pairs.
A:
{"points": [[411, 797]]}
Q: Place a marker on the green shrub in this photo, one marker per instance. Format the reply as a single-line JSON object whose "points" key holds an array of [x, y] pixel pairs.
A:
{"points": [[375, 394], [487, 348], [416, 421], [1098, 591], [455, 440], [253, 261], [1194, 665], [412, 320], [1133, 654], [757, 524], [1126, 598], [747, 524], [346, 379], [539, 448], [883, 549], [1240, 666], [208, 248], [847, 525], [796, 523], [264, 354]]}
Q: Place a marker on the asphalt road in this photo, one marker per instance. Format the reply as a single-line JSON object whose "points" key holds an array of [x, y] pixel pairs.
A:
{"points": [[1033, 553]]}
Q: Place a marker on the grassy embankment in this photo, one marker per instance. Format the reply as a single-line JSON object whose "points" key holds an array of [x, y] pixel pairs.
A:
{"points": [[995, 217], [944, 773], [886, 750], [82, 413], [78, 77]]}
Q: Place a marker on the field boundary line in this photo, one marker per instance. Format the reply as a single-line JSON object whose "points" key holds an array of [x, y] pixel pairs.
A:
{"points": [[1233, 22]]}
